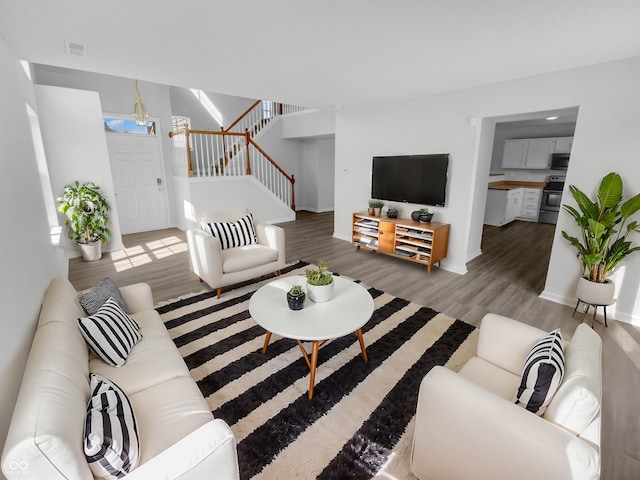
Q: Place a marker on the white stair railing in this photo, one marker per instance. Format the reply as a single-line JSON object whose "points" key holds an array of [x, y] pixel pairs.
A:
{"points": [[224, 154]]}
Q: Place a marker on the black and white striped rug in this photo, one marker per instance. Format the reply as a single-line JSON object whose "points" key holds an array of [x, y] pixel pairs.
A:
{"points": [[359, 423]]}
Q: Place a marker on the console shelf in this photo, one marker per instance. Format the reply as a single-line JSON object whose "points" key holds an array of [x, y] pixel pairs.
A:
{"points": [[424, 243]]}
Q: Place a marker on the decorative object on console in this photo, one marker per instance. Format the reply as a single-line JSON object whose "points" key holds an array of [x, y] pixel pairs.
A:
{"points": [[423, 215], [295, 297], [376, 206], [86, 217], [392, 213], [604, 231], [319, 283]]}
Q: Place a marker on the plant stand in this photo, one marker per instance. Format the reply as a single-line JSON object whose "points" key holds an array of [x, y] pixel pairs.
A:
{"points": [[595, 310]]}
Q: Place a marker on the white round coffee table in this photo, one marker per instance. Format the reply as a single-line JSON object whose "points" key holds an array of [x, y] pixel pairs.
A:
{"points": [[346, 312]]}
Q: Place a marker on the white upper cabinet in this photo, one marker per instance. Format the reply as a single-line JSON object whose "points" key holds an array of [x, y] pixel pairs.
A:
{"points": [[539, 152], [533, 153], [563, 145], [514, 153]]}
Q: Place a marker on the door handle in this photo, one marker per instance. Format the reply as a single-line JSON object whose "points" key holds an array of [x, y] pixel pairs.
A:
{"points": [[159, 181]]}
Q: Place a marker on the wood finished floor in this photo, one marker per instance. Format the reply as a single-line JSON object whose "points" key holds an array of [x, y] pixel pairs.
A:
{"points": [[506, 279]]}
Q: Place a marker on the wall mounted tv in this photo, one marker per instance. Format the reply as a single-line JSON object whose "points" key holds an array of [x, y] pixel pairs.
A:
{"points": [[420, 179]]}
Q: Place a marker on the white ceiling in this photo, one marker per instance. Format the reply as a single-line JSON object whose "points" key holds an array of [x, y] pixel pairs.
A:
{"points": [[323, 53]]}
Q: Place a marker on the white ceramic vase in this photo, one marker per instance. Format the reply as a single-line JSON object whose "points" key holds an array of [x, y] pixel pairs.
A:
{"points": [[91, 251], [320, 293], [595, 293]]}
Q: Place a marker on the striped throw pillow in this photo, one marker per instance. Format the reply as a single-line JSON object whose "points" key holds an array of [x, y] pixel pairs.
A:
{"points": [[111, 441], [234, 234], [542, 374], [111, 333]]}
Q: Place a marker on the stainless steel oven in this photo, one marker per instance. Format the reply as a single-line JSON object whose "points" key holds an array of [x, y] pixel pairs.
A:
{"points": [[551, 199]]}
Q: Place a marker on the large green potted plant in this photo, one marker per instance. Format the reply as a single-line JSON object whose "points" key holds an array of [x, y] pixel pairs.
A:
{"points": [[86, 217], [605, 225]]}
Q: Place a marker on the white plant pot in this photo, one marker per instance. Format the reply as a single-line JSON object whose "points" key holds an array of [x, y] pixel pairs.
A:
{"points": [[320, 293], [91, 251], [596, 293]]}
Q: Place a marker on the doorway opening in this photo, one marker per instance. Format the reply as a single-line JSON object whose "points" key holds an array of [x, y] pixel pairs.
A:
{"points": [[519, 224]]}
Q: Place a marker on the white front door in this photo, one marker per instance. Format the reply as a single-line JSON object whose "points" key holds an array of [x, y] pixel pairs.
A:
{"points": [[136, 165]]}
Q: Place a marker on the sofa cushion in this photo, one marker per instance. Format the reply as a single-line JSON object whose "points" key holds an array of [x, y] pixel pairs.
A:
{"points": [[154, 360], [542, 374], [243, 258], [577, 402], [111, 333], [168, 412], [494, 379], [111, 440], [234, 234], [92, 299]]}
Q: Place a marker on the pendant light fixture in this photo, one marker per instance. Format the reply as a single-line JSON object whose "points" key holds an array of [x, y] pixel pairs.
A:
{"points": [[140, 114]]}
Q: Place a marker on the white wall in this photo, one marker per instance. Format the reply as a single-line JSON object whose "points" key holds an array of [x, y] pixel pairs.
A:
{"points": [[606, 139], [76, 147], [316, 177], [185, 104], [202, 195], [28, 259], [117, 96]]}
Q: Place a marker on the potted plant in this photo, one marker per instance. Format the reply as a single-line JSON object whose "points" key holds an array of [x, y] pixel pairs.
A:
{"points": [[319, 283], [604, 227], [295, 297], [86, 217], [422, 215], [375, 207]]}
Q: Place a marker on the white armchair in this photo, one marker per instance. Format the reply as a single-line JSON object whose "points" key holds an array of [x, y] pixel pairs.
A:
{"points": [[467, 425], [220, 267]]}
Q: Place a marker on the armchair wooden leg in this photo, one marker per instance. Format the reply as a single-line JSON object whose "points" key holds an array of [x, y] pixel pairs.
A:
{"points": [[200, 280], [277, 273], [219, 291]]}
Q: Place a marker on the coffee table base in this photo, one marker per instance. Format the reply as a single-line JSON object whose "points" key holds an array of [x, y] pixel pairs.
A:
{"points": [[313, 361]]}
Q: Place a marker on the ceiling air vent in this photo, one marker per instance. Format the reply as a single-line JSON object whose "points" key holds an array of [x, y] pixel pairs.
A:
{"points": [[76, 49]]}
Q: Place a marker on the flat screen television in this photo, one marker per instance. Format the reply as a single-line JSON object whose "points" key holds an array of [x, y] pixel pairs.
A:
{"points": [[420, 179]]}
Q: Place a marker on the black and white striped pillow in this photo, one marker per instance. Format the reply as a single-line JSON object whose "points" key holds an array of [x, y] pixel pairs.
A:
{"points": [[111, 333], [542, 374], [111, 441], [234, 234]]}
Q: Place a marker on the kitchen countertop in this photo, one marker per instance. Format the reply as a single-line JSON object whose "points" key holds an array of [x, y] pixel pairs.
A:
{"points": [[513, 184]]}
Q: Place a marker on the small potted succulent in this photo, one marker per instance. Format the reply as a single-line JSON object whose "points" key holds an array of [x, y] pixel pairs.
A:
{"points": [[319, 283], [295, 297], [375, 207], [422, 215]]}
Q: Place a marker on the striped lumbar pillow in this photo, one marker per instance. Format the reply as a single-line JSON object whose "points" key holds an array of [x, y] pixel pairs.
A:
{"points": [[111, 333], [111, 441], [234, 234], [542, 374]]}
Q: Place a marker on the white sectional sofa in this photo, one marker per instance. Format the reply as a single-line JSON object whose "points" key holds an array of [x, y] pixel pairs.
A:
{"points": [[468, 426], [179, 438]]}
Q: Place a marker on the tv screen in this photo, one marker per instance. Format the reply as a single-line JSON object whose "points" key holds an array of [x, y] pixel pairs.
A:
{"points": [[420, 179]]}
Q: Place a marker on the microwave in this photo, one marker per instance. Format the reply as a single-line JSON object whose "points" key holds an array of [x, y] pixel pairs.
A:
{"points": [[559, 161]]}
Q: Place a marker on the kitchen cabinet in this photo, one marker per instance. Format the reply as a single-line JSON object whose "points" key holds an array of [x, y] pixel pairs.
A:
{"points": [[533, 153], [530, 207], [503, 206], [563, 145]]}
